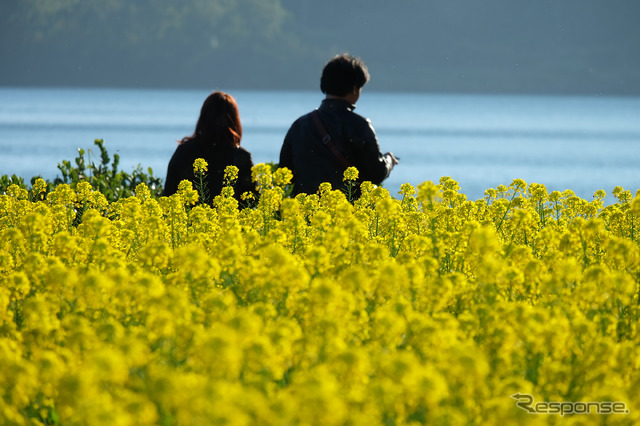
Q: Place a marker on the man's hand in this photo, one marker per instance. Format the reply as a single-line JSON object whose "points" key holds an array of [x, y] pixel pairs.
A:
{"points": [[394, 160]]}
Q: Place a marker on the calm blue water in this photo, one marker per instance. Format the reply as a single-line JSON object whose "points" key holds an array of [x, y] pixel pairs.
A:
{"points": [[482, 141]]}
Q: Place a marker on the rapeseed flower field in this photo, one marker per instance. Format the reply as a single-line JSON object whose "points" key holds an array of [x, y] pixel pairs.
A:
{"points": [[421, 308]]}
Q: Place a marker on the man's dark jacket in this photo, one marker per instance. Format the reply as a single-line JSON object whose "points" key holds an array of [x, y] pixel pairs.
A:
{"points": [[313, 163]]}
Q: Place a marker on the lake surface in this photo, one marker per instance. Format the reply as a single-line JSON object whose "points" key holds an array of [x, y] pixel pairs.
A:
{"points": [[578, 143]]}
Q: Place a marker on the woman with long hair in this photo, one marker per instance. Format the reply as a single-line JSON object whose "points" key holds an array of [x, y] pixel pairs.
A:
{"points": [[217, 140]]}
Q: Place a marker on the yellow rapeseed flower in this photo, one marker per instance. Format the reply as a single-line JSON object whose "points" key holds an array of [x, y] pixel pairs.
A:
{"points": [[350, 174], [230, 175], [186, 192], [200, 165], [282, 177]]}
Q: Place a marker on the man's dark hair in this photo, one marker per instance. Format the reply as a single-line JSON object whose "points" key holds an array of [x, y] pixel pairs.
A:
{"points": [[342, 73]]}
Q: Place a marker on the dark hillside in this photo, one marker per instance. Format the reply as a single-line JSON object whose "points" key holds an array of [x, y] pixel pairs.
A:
{"points": [[506, 46]]}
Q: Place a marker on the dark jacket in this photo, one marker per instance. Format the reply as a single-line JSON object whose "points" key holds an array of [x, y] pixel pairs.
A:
{"points": [[312, 163], [217, 157]]}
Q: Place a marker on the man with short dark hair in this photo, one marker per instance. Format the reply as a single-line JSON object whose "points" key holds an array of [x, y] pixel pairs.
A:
{"points": [[320, 145]]}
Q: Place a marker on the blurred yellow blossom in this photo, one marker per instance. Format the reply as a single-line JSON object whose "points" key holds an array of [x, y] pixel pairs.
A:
{"points": [[230, 175], [423, 309]]}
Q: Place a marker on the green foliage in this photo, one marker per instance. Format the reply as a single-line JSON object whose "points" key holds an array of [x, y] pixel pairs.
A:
{"points": [[6, 181], [153, 22], [112, 183], [108, 180]]}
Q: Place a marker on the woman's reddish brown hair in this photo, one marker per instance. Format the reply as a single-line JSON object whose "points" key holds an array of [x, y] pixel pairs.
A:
{"points": [[219, 121]]}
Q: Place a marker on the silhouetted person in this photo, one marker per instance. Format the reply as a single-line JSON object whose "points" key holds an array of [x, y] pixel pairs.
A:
{"points": [[319, 149], [217, 140]]}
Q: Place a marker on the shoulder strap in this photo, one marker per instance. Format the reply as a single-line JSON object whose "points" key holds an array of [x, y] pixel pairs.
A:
{"points": [[326, 139]]}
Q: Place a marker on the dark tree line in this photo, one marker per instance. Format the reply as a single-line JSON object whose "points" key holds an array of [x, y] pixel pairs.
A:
{"points": [[558, 46]]}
